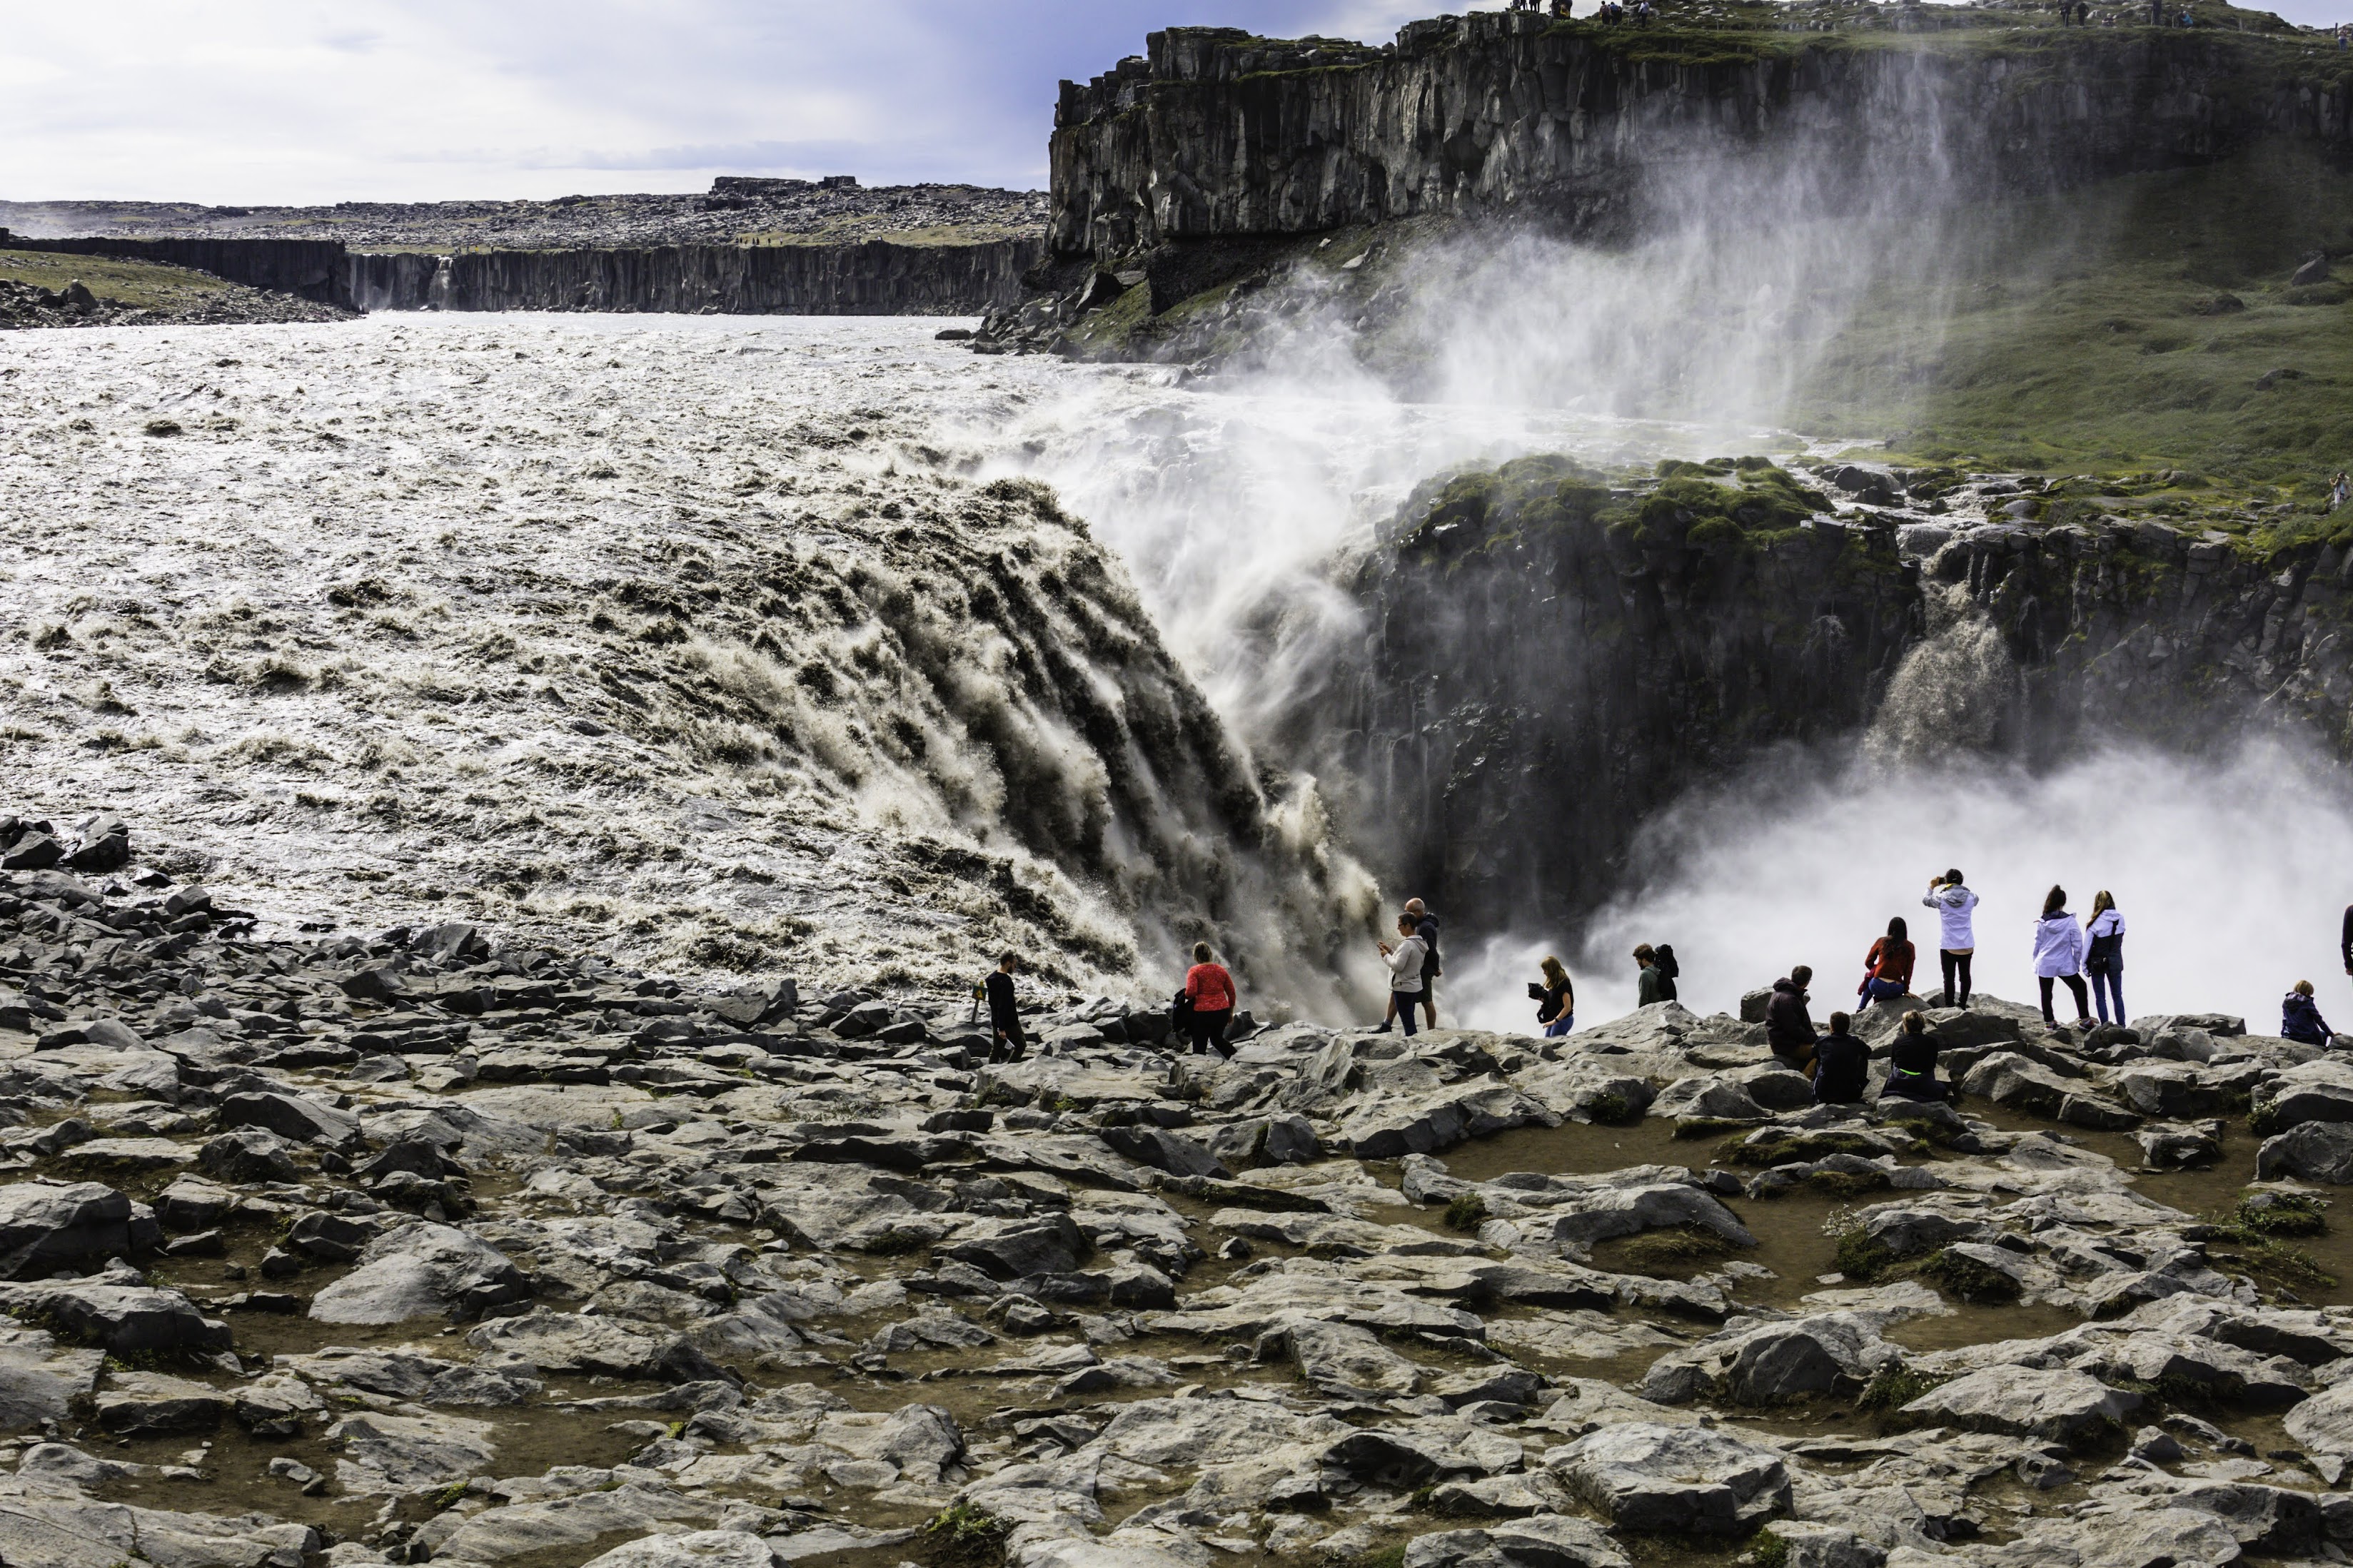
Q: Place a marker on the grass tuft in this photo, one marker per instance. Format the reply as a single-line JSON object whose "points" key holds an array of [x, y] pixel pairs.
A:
{"points": [[1466, 1212]]}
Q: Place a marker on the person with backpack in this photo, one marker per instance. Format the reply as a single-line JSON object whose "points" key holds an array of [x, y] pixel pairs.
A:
{"points": [[1209, 990], [1887, 967], [1956, 938], [1912, 1063], [1404, 961], [1007, 1043], [1425, 926], [2300, 1018], [1650, 986], [1841, 1064], [1556, 1000], [2059, 956], [2104, 955]]}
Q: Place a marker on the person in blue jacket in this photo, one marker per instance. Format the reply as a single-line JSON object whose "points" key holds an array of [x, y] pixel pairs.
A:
{"points": [[2300, 1016]]}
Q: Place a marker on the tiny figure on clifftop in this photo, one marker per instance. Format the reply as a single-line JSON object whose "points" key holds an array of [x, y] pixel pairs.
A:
{"points": [[1957, 941], [1556, 1000], [1841, 1064], [2104, 955], [1788, 1028], [1007, 1043], [1211, 991], [2340, 489], [2300, 1018], [1405, 960], [2059, 956], [1912, 1062], [1887, 967]]}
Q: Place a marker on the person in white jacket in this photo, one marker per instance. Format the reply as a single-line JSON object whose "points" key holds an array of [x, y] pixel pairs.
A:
{"points": [[1957, 941], [1404, 961], [2059, 956]]}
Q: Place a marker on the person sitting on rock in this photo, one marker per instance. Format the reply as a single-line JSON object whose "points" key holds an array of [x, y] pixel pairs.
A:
{"points": [[1912, 1062], [1788, 1028], [1841, 1065], [1887, 967], [1650, 980], [2300, 1018]]}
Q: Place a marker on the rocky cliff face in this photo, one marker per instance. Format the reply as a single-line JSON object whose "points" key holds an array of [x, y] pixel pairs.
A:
{"points": [[1550, 659], [1214, 134], [311, 269], [870, 280]]}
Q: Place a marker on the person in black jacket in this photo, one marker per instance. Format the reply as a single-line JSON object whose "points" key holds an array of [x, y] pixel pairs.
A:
{"points": [[1789, 1029], [1912, 1062], [2300, 1018], [1841, 1065], [1007, 1043]]}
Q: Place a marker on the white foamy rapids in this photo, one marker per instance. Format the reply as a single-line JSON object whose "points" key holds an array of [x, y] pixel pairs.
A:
{"points": [[2231, 875], [665, 635]]}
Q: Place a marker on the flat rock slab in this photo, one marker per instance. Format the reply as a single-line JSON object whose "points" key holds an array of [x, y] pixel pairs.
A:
{"points": [[2026, 1402]]}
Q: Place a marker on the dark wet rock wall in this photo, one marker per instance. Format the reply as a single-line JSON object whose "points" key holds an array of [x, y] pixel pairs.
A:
{"points": [[877, 277], [1214, 135], [1546, 666], [311, 269]]}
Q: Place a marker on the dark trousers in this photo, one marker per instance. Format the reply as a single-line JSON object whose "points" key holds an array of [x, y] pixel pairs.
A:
{"points": [[2106, 983], [1209, 1030], [2075, 988], [1013, 1046], [1955, 963], [1407, 1003]]}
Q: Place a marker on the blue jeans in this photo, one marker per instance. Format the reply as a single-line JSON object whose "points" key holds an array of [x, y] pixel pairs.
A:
{"points": [[1560, 1025], [2104, 985], [1409, 1003], [1880, 990]]}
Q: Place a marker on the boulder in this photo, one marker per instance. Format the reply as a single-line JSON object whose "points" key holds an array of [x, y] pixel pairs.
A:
{"points": [[248, 1154], [145, 1404], [1163, 1150], [2309, 1091], [694, 1548], [2324, 1423], [1545, 1539], [422, 1270], [2310, 1151], [129, 1320], [1048, 1243], [596, 1346], [391, 1454], [1767, 1363], [41, 1379], [105, 846], [1682, 1480], [2026, 1402], [291, 1116], [46, 1227]]}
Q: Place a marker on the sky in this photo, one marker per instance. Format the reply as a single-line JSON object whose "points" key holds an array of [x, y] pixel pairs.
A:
{"points": [[251, 101]]}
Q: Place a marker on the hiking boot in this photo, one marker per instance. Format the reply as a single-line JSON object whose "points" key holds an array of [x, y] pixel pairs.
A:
{"points": [[1381, 1028]]}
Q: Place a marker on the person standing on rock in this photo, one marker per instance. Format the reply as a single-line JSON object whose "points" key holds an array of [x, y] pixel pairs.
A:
{"points": [[1912, 1062], [1887, 967], [1009, 1042], [1788, 1028], [1957, 940], [1425, 926], [1841, 1064], [1556, 1000], [2104, 955], [2300, 1018], [2059, 956], [1211, 991], [1405, 961]]}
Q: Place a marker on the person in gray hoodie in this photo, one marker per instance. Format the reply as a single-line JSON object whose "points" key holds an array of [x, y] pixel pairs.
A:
{"points": [[2059, 956], [1956, 938]]}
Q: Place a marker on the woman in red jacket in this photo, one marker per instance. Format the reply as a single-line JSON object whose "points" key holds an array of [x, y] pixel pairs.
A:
{"points": [[1887, 971], [1211, 991]]}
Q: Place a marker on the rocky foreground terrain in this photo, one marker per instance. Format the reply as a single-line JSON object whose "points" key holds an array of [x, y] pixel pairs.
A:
{"points": [[414, 1247], [735, 210], [207, 302]]}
